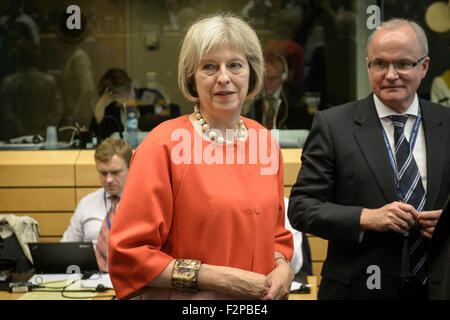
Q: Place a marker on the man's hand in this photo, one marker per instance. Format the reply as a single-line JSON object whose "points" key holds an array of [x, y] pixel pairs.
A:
{"points": [[428, 221], [396, 216], [105, 99]]}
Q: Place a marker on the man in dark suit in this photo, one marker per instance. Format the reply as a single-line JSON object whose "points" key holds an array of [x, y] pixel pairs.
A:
{"points": [[278, 108], [375, 175]]}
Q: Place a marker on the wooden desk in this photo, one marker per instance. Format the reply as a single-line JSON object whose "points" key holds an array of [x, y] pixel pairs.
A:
{"points": [[4, 295], [16, 296], [293, 296]]}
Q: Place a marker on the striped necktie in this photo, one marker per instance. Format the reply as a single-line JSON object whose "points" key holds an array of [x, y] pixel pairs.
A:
{"points": [[268, 112], [413, 193], [101, 249]]}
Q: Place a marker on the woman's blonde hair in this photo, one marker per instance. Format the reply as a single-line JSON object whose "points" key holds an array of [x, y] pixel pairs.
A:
{"points": [[210, 33]]}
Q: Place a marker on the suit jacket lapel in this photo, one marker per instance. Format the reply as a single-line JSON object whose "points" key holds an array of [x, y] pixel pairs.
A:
{"points": [[435, 144], [371, 142]]}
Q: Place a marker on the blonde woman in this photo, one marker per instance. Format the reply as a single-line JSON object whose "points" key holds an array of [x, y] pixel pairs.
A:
{"points": [[202, 212]]}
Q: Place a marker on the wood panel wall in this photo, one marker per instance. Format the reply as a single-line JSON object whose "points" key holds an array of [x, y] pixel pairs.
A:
{"points": [[319, 246], [45, 186]]}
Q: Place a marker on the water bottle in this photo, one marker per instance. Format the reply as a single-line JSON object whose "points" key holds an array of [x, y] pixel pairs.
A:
{"points": [[132, 125]]}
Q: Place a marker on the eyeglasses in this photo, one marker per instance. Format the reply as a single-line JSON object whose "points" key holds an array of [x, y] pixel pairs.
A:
{"points": [[401, 66]]}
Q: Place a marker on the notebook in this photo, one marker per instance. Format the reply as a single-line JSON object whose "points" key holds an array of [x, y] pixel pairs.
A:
{"points": [[63, 257]]}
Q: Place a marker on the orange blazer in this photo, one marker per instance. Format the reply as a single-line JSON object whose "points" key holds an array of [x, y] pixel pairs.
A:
{"points": [[181, 200]]}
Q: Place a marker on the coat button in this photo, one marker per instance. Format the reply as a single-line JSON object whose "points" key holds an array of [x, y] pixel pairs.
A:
{"points": [[257, 210]]}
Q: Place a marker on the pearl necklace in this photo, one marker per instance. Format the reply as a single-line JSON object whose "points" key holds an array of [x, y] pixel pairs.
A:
{"points": [[214, 134]]}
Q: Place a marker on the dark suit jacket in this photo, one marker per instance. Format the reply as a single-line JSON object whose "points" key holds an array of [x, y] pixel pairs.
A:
{"points": [[345, 168], [439, 268]]}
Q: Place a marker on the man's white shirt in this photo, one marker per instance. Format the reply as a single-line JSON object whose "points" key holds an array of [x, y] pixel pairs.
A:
{"points": [[419, 151], [88, 217]]}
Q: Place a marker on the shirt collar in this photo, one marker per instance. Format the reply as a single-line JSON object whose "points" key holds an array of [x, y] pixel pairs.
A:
{"points": [[383, 111], [108, 196]]}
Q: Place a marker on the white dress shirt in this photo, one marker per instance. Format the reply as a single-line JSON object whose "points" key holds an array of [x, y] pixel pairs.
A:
{"points": [[297, 256], [88, 217], [419, 151]]}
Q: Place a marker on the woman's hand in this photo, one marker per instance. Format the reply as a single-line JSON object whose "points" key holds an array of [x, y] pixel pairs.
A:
{"points": [[281, 278], [238, 283], [233, 282]]}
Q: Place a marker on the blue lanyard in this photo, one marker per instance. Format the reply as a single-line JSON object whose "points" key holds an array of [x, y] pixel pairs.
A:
{"points": [[412, 143], [107, 216]]}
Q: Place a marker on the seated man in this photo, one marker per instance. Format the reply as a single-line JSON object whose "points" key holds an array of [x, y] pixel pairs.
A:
{"points": [[276, 108], [117, 96], [115, 93], [112, 158]]}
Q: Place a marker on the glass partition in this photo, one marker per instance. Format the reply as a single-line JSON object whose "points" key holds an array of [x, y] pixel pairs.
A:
{"points": [[80, 66]]}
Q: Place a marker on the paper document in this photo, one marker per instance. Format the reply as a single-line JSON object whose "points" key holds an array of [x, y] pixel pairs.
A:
{"points": [[300, 287], [92, 282], [41, 278]]}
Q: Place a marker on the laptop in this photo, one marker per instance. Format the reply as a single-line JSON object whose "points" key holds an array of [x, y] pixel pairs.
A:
{"points": [[63, 257]]}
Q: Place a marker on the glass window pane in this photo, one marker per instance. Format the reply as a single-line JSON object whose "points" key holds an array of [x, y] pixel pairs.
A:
{"points": [[84, 81]]}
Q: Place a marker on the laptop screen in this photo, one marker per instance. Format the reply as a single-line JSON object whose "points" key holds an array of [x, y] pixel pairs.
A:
{"points": [[63, 257]]}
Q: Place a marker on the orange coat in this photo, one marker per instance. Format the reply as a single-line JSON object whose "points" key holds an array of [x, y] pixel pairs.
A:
{"points": [[225, 214]]}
